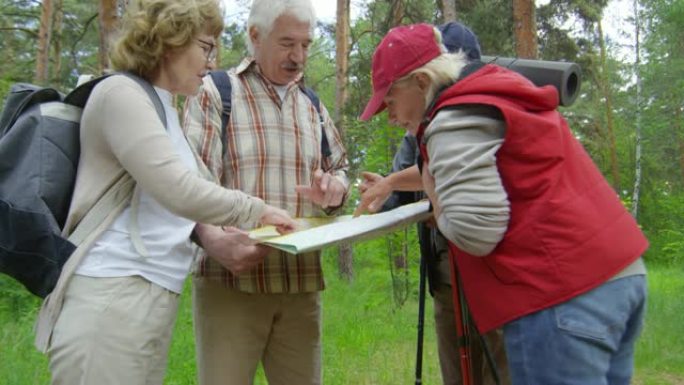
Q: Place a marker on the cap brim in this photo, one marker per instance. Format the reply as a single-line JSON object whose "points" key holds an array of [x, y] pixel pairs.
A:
{"points": [[375, 105]]}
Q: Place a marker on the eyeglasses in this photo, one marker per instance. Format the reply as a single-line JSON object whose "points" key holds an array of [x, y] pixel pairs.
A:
{"points": [[210, 50]]}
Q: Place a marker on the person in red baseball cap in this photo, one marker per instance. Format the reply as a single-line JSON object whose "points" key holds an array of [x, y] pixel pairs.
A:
{"points": [[486, 353], [543, 245]]}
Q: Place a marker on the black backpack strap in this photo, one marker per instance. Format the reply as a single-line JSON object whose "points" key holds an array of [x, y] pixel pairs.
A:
{"points": [[470, 68], [79, 96], [325, 145], [225, 89]]}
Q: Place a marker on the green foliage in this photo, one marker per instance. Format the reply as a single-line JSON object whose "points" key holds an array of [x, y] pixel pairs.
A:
{"points": [[496, 39], [663, 83], [18, 37], [663, 213], [73, 51], [5, 85], [233, 42]]}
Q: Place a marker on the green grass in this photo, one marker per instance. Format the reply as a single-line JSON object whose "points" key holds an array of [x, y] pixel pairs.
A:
{"points": [[367, 337], [659, 358], [20, 362]]}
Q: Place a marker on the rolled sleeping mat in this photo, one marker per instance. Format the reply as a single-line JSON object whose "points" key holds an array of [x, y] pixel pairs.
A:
{"points": [[565, 76]]}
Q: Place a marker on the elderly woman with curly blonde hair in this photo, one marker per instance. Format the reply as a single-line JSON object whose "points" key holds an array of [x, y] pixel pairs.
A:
{"points": [[110, 318]]}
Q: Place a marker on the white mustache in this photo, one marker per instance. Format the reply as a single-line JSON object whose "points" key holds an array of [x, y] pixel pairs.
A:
{"points": [[292, 66]]}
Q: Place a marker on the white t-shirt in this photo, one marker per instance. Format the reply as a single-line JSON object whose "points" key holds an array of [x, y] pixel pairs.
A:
{"points": [[164, 234], [281, 90]]}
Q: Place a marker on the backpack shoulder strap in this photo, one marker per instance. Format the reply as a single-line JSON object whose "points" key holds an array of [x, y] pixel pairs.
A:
{"points": [[225, 88], [470, 68], [79, 96], [325, 145]]}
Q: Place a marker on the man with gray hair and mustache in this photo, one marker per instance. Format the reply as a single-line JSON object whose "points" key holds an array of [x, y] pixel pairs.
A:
{"points": [[260, 304]]}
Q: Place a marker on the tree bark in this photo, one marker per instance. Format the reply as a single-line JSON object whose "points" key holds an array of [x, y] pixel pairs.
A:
{"points": [[525, 29], [44, 37], [57, 38], [637, 128], [341, 60], [345, 262], [108, 21], [397, 12], [448, 8], [345, 257], [605, 87]]}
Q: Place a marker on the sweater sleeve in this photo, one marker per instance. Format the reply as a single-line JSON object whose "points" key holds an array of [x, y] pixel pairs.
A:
{"points": [[462, 144], [137, 138]]}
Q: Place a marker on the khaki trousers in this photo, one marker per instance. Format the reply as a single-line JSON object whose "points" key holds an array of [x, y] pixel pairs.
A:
{"points": [[112, 331], [234, 331]]}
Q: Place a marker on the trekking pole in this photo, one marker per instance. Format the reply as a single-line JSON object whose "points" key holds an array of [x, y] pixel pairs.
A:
{"points": [[461, 319], [421, 319], [490, 360]]}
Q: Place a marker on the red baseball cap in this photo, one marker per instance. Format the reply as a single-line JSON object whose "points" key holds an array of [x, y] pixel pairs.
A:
{"points": [[401, 51]]}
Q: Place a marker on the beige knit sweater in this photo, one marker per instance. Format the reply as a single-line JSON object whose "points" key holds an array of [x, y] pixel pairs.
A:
{"points": [[122, 137]]}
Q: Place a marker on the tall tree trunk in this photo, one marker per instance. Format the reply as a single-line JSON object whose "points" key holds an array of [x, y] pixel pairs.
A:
{"points": [[108, 20], [57, 38], [345, 261], [346, 254], [637, 128], [448, 8], [605, 87], [341, 60], [44, 37], [396, 15], [525, 29]]}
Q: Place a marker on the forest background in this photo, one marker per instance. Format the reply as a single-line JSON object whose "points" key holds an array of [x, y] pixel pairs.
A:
{"points": [[628, 117]]}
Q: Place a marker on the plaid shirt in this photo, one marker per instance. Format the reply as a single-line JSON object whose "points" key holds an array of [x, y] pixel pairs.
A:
{"points": [[271, 146]]}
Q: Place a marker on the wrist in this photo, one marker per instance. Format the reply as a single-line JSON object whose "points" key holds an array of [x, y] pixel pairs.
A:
{"points": [[203, 234], [390, 181]]}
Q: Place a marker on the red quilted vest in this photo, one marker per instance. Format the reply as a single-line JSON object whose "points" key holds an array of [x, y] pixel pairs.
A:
{"points": [[568, 230]]}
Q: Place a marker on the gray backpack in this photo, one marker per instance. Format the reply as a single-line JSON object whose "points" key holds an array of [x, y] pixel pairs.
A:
{"points": [[39, 152]]}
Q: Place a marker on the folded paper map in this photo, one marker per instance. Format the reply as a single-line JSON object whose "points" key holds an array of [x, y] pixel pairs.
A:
{"points": [[318, 233]]}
